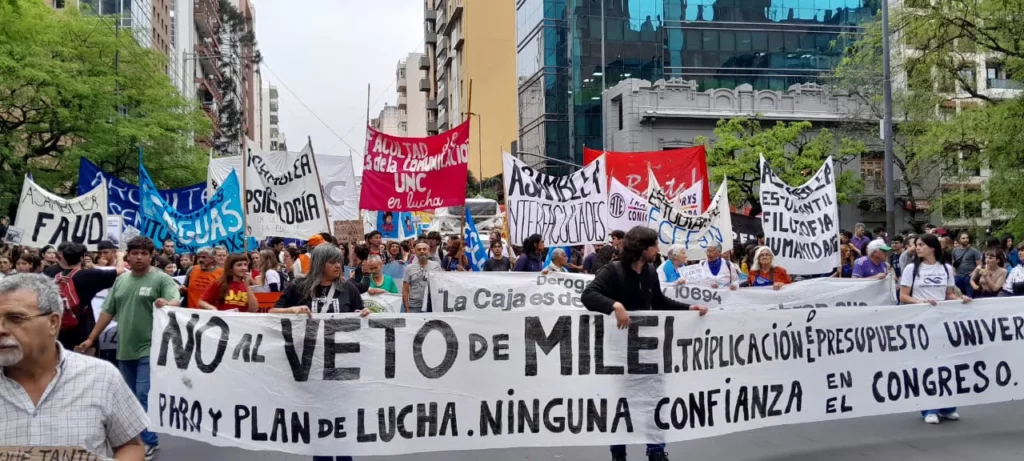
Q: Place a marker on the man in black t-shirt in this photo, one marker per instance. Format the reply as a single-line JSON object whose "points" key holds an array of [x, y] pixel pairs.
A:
{"points": [[88, 282]]}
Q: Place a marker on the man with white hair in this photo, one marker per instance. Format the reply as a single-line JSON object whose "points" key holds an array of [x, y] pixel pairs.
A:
{"points": [[53, 397], [558, 262], [872, 266], [668, 272]]}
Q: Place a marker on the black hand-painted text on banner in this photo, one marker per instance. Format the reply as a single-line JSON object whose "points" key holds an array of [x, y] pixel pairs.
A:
{"points": [[48, 219], [801, 223], [564, 210], [390, 385]]}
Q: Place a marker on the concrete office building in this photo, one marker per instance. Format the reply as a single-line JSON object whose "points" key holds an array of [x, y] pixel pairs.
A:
{"points": [[472, 41], [387, 121], [272, 138]]}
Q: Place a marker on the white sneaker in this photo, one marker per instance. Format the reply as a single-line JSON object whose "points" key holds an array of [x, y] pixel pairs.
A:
{"points": [[953, 416], [932, 418]]}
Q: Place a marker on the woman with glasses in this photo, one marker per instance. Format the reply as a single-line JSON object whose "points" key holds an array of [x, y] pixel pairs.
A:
{"points": [[765, 274]]}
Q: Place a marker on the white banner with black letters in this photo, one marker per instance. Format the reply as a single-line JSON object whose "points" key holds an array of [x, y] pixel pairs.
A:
{"points": [[626, 209], [516, 291], [564, 210], [48, 219], [389, 385], [677, 226], [801, 223], [283, 196]]}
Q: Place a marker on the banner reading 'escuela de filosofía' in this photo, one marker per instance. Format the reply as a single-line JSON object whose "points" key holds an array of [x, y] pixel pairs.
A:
{"points": [[414, 174]]}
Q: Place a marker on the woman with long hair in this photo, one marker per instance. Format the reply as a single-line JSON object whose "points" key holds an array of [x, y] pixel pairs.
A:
{"points": [[270, 272], [255, 262], [455, 260], [395, 253], [765, 274], [49, 254], [929, 280], [532, 257], [1012, 255], [324, 290], [846, 259], [232, 291], [988, 280]]}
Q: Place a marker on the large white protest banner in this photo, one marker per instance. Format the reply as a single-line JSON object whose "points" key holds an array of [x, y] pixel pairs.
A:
{"points": [[695, 233], [493, 291], [336, 173], [564, 210], [48, 219], [389, 385], [283, 196], [626, 209], [801, 223], [383, 303]]}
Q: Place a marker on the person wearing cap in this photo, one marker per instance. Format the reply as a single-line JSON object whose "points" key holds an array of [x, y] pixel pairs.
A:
{"points": [[301, 265], [108, 252], [872, 266]]}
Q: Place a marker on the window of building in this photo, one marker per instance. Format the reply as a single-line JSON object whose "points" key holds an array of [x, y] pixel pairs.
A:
{"points": [[619, 104]]}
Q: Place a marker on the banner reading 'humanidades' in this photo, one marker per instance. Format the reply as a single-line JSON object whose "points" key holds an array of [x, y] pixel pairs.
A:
{"points": [[493, 291], [801, 224], [389, 385], [564, 210], [48, 219], [415, 174]]}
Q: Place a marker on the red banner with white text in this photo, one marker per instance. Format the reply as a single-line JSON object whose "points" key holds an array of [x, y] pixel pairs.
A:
{"points": [[676, 169], [415, 174]]}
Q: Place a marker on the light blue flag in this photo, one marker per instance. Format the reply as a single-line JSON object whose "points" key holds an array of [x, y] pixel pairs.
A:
{"points": [[476, 252], [221, 221]]}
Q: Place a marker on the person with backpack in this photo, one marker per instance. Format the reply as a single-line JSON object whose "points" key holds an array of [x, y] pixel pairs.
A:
{"points": [[77, 288], [928, 280]]}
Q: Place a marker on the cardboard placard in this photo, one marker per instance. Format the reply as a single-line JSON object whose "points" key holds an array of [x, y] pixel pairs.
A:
{"points": [[349, 231], [14, 234]]}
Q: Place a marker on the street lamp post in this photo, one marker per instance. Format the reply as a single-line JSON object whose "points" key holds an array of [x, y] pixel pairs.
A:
{"points": [[890, 194]]}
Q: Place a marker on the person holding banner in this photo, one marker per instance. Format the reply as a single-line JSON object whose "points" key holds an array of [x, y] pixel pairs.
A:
{"points": [[631, 284], [324, 290], [717, 271], [232, 291], [929, 280], [668, 272], [764, 274]]}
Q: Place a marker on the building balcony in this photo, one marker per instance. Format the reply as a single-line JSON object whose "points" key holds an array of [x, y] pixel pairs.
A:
{"points": [[429, 15], [424, 62], [442, 54], [207, 17], [424, 84], [403, 102], [208, 91], [442, 92], [1004, 84], [458, 38], [454, 9], [208, 57], [431, 104], [430, 37], [432, 126], [402, 84]]}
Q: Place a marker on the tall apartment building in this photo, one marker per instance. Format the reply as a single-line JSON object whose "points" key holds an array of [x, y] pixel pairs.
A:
{"points": [[387, 121], [272, 137], [567, 56], [147, 20], [472, 41], [412, 105]]}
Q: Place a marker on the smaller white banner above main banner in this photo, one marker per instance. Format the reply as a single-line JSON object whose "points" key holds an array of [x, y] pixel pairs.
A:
{"points": [[515, 291]]}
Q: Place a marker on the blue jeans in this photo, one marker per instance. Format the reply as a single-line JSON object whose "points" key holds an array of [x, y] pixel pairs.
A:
{"points": [[940, 411], [332, 458], [964, 284], [652, 448], [136, 374]]}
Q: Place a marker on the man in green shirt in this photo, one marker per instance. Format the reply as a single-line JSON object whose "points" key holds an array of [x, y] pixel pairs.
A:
{"points": [[131, 302]]}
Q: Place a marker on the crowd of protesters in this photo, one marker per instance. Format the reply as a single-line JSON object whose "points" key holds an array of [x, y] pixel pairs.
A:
{"points": [[324, 276]]}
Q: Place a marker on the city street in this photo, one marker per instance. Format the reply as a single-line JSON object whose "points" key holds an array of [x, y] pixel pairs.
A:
{"points": [[987, 433]]}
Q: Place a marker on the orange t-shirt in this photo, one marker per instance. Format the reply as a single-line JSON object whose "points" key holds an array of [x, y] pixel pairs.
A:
{"points": [[778, 275], [199, 281], [237, 297], [304, 261]]}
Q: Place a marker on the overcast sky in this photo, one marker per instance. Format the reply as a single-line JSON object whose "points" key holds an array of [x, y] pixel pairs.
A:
{"points": [[326, 51]]}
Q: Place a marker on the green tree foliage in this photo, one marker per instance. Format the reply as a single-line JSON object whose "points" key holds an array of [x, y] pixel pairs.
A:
{"points": [[793, 152], [59, 101], [859, 75], [949, 37], [491, 188]]}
